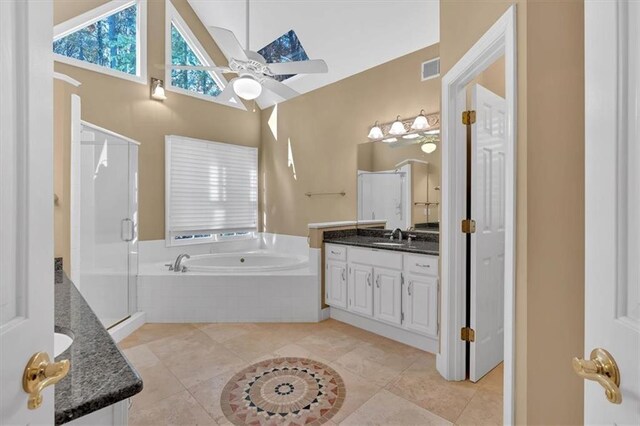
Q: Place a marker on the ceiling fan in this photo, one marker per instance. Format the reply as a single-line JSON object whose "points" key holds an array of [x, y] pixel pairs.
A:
{"points": [[254, 73]]}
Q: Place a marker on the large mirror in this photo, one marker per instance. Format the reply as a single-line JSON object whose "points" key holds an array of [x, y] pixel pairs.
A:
{"points": [[400, 183]]}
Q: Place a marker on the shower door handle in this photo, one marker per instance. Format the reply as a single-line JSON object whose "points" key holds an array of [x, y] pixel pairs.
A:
{"points": [[126, 230]]}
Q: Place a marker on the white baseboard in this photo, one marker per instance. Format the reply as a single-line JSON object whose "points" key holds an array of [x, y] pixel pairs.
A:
{"points": [[128, 326], [419, 341], [325, 314]]}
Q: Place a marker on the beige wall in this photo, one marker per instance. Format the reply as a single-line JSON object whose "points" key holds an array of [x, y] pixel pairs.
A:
{"points": [[62, 170], [126, 108], [550, 183], [324, 128]]}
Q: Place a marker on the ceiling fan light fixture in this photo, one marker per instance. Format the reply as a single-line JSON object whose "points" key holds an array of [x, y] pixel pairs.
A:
{"points": [[375, 132], [247, 88], [428, 147], [397, 128], [421, 122]]}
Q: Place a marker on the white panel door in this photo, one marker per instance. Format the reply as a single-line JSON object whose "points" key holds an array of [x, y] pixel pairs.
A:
{"points": [[488, 146], [361, 289], [421, 304], [336, 282], [388, 295], [26, 206], [612, 204]]}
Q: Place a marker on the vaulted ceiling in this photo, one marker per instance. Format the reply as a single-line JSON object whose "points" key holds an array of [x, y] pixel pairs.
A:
{"points": [[350, 35]]}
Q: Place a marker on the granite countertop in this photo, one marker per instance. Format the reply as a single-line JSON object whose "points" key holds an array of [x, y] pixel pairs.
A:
{"points": [[100, 375], [424, 243]]}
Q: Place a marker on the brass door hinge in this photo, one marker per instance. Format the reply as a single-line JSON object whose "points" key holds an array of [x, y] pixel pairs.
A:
{"points": [[467, 334], [468, 226], [468, 117]]}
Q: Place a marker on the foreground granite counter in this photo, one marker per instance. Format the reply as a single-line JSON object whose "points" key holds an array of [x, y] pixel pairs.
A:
{"points": [[100, 375], [423, 243]]}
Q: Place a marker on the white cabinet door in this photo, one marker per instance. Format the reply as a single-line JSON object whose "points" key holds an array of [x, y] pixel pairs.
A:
{"points": [[421, 305], [388, 295], [336, 283], [361, 289]]}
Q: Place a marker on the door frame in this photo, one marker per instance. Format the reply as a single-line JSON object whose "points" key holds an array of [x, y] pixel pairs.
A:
{"points": [[499, 40]]}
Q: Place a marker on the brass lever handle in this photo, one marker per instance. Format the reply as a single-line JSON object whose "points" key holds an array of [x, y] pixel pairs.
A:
{"points": [[39, 373], [603, 369]]}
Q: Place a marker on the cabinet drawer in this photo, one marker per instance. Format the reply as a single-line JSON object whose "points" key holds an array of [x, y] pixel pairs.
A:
{"points": [[336, 252], [376, 257], [425, 265]]}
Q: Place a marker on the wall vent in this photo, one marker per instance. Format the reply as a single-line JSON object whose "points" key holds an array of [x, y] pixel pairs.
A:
{"points": [[430, 69]]}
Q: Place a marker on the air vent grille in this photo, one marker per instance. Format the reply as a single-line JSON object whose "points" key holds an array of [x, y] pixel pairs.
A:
{"points": [[431, 69]]}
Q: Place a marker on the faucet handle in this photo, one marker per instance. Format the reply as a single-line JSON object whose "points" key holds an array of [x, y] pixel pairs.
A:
{"points": [[170, 265]]}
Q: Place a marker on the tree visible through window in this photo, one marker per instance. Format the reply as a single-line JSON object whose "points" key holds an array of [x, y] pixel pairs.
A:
{"points": [[110, 42], [193, 80], [286, 48]]}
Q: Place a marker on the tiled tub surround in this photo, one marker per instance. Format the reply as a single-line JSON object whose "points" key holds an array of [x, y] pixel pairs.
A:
{"points": [[423, 243], [100, 376], [233, 294]]}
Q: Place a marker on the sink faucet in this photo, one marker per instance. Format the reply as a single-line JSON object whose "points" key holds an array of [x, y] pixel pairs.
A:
{"points": [[399, 233], [178, 265]]}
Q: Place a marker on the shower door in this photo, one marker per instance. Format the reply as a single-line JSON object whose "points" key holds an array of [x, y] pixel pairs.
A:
{"points": [[108, 219]]}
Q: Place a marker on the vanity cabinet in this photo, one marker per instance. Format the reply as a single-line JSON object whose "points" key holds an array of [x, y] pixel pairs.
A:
{"points": [[382, 290], [360, 289], [336, 276], [421, 301], [387, 295]]}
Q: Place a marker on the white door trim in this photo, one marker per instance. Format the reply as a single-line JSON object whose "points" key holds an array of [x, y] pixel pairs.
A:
{"points": [[499, 40]]}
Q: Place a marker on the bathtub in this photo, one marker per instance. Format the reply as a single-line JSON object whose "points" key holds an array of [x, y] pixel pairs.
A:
{"points": [[274, 278], [252, 261]]}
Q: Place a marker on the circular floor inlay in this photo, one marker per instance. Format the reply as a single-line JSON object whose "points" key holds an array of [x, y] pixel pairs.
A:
{"points": [[291, 391]]}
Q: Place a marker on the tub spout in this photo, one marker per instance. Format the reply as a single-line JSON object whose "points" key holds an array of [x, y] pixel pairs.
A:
{"points": [[177, 266]]}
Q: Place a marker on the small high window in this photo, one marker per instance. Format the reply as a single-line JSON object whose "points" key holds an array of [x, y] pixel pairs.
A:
{"points": [[183, 48], [286, 48], [108, 39], [194, 80]]}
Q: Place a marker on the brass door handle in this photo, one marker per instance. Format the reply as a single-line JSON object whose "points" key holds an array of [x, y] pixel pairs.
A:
{"points": [[39, 373], [603, 369]]}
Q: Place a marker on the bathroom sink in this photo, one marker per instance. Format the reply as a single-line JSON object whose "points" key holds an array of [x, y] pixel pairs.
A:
{"points": [[61, 343], [389, 244]]}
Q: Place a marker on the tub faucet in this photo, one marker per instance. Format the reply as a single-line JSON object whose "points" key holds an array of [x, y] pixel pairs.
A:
{"points": [[178, 265], [399, 233]]}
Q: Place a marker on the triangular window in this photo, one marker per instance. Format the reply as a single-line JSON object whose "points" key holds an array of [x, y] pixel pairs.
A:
{"points": [[183, 48], [286, 48], [193, 80], [107, 39]]}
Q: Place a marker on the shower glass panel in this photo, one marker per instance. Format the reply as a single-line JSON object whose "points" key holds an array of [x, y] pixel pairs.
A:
{"points": [[108, 224]]}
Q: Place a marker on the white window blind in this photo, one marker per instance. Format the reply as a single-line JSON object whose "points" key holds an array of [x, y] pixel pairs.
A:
{"points": [[211, 188]]}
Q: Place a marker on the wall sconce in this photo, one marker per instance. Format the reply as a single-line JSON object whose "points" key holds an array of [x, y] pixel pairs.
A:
{"points": [[157, 89], [421, 122], [397, 128], [375, 132]]}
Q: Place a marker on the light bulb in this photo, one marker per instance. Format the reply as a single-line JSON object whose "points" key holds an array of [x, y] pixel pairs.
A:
{"points": [[397, 128], [428, 147], [421, 122], [247, 88], [375, 132]]}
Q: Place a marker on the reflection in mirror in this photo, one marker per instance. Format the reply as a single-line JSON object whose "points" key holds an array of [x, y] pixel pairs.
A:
{"points": [[399, 183]]}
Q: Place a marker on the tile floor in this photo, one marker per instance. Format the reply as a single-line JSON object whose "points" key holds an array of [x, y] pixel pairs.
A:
{"points": [[185, 367]]}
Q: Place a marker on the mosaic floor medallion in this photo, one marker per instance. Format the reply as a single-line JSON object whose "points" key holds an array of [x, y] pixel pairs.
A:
{"points": [[283, 391]]}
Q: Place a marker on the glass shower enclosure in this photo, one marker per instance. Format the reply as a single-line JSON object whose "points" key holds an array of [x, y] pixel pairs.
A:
{"points": [[108, 264]]}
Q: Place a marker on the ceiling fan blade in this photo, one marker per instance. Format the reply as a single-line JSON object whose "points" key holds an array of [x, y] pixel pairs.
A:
{"points": [[228, 92], [228, 43], [201, 68], [279, 89], [312, 66]]}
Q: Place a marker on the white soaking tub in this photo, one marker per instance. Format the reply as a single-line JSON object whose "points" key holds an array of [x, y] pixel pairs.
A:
{"points": [[274, 278], [257, 261]]}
